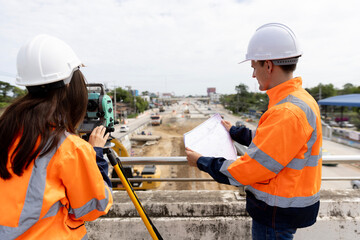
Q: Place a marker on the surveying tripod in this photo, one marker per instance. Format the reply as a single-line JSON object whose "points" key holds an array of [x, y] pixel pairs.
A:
{"points": [[115, 162]]}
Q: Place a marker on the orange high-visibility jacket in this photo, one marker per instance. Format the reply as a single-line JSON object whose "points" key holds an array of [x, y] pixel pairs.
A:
{"points": [[282, 166], [54, 197]]}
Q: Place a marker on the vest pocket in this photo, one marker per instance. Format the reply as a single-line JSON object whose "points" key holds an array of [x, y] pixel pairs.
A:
{"points": [[266, 182], [74, 224]]}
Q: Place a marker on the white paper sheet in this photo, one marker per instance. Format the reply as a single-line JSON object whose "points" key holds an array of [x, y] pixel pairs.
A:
{"points": [[211, 139]]}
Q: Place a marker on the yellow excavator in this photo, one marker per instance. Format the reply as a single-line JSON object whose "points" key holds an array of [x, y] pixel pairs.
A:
{"points": [[148, 171]]}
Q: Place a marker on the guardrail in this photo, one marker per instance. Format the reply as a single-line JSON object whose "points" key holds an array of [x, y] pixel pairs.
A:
{"points": [[135, 129], [329, 159]]}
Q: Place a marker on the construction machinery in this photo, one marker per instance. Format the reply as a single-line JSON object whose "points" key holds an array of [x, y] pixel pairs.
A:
{"points": [[155, 120], [148, 171]]}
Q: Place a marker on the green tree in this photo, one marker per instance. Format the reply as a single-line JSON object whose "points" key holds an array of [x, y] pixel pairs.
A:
{"points": [[5, 89], [141, 104], [259, 101], [229, 102], [349, 88], [242, 89], [18, 92], [9, 92], [322, 91], [122, 95], [242, 98]]}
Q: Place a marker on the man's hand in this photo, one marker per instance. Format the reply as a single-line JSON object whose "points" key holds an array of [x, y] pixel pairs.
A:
{"points": [[192, 157], [226, 124], [98, 137]]}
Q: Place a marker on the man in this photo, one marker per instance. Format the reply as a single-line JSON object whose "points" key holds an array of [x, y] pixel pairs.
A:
{"points": [[282, 166]]}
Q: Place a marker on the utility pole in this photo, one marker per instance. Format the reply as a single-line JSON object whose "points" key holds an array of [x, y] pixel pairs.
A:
{"points": [[237, 103], [115, 103], [238, 92], [131, 92]]}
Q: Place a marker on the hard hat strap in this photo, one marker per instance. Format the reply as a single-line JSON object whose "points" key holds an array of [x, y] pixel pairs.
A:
{"points": [[44, 89]]}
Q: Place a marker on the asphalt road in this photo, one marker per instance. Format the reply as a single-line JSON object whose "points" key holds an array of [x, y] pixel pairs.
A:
{"points": [[133, 124]]}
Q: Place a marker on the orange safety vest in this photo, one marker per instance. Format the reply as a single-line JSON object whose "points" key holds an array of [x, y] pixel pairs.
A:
{"points": [[282, 166], [53, 198]]}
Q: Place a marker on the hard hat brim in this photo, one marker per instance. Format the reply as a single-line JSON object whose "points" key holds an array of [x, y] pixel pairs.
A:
{"points": [[244, 61], [281, 61]]}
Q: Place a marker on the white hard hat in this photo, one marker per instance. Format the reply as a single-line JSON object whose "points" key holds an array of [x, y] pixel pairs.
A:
{"points": [[45, 59], [274, 41]]}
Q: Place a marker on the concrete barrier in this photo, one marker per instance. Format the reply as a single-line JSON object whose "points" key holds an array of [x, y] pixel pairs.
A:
{"points": [[219, 214]]}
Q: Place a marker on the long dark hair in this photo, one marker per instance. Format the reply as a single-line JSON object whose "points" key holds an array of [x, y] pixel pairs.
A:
{"points": [[38, 119]]}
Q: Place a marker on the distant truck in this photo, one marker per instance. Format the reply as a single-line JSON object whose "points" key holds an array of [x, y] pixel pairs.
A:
{"points": [[162, 109], [186, 110], [155, 120]]}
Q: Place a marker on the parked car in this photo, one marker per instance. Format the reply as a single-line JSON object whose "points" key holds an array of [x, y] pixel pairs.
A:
{"points": [[124, 128], [355, 184], [333, 124], [347, 124]]}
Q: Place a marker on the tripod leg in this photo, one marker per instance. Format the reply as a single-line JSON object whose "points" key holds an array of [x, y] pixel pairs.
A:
{"points": [[149, 225]]}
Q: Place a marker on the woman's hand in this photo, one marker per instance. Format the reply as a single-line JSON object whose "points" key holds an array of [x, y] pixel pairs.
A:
{"points": [[192, 157], [226, 124], [98, 137]]}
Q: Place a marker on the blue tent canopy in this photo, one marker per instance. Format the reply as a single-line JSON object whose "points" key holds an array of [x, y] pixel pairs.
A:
{"points": [[349, 100]]}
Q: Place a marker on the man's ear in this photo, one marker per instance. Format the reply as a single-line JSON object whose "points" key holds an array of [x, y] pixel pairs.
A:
{"points": [[269, 66]]}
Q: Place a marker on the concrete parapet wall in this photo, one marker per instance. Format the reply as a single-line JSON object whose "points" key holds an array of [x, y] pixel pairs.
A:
{"points": [[181, 228], [331, 228], [217, 215]]}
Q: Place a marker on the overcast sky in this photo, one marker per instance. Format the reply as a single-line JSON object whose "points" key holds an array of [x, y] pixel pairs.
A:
{"points": [[184, 46]]}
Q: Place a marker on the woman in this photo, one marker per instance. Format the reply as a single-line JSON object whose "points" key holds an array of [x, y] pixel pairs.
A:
{"points": [[50, 181]]}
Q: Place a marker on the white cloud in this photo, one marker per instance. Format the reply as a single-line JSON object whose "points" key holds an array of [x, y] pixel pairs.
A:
{"points": [[184, 46]]}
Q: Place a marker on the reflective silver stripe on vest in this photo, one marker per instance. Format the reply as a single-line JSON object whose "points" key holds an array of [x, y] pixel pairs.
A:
{"points": [[85, 237], [30, 213], [91, 205], [54, 209], [224, 171], [284, 202], [261, 157], [111, 191], [309, 160]]}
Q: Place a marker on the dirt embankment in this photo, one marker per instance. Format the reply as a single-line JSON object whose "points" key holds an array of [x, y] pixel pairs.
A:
{"points": [[172, 144]]}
